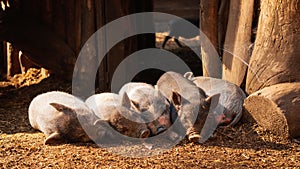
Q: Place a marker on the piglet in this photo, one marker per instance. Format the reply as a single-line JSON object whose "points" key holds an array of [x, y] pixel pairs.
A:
{"points": [[56, 115], [150, 103], [230, 106], [115, 110], [190, 101]]}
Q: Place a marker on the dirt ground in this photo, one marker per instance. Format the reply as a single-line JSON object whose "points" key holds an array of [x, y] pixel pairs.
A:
{"points": [[245, 145]]}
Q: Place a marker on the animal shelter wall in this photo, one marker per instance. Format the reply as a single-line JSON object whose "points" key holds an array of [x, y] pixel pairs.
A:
{"points": [[51, 33]]}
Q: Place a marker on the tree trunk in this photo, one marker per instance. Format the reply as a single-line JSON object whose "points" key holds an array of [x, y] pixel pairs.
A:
{"points": [[276, 108], [209, 27], [238, 40], [276, 58]]}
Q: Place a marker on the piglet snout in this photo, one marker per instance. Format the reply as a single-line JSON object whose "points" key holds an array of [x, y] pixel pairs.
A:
{"points": [[161, 129]]}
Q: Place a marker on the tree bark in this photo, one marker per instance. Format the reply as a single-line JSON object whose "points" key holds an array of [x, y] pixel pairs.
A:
{"points": [[275, 58], [238, 40], [276, 108]]}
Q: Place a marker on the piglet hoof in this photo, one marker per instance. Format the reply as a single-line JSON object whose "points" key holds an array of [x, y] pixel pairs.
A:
{"points": [[194, 137], [145, 133]]}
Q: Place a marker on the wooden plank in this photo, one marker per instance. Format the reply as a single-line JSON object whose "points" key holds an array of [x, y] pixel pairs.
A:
{"points": [[102, 82], [88, 26], [70, 13], [113, 10], [238, 40], [78, 12], [59, 18], [131, 44]]}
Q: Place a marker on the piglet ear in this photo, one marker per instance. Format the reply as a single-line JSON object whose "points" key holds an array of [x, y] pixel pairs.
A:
{"points": [[176, 98], [213, 100], [54, 138], [61, 107], [103, 130], [189, 75], [99, 122], [135, 104], [125, 101]]}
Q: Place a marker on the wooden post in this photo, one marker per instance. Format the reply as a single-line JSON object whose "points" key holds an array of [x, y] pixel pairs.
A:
{"points": [[237, 42], [223, 14], [13, 64], [78, 26], [3, 62], [209, 26], [88, 27]]}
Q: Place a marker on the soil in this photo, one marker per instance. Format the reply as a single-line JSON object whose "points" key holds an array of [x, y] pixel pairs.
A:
{"points": [[245, 145]]}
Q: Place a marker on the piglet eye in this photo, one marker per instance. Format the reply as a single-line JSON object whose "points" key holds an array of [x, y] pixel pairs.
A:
{"points": [[205, 106]]}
